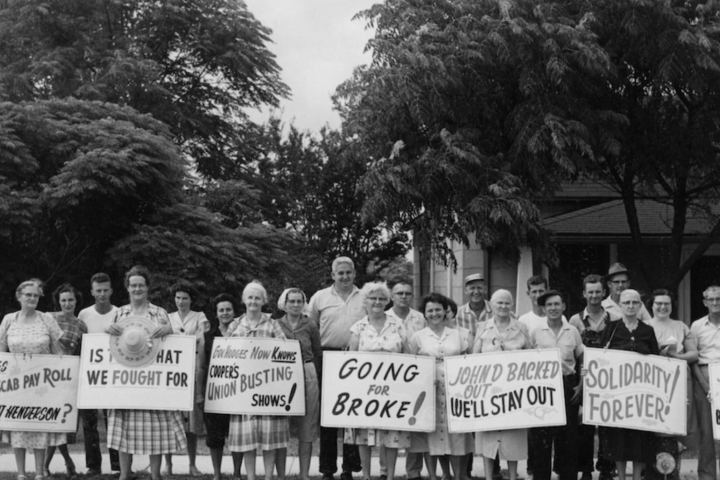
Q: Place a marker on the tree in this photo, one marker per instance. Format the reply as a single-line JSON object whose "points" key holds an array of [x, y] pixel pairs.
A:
{"points": [[475, 110], [310, 184], [89, 186], [193, 64]]}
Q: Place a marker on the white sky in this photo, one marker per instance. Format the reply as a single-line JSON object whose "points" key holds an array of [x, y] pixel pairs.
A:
{"points": [[317, 45]]}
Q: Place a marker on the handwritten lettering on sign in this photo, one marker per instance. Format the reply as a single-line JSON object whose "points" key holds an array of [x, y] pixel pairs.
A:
{"points": [[630, 390], [255, 376], [504, 390], [384, 390], [39, 392]]}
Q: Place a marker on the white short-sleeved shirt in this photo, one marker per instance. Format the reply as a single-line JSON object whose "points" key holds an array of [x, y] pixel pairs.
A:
{"points": [[96, 322], [334, 316]]}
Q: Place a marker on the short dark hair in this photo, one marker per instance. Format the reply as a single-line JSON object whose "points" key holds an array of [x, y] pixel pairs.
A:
{"points": [[65, 288], [137, 271], [434, 298], [537, 280], [593, 278], [658, 292], [224, 297], [452, 305], [396, 279], [185, 287], [100, 277]]}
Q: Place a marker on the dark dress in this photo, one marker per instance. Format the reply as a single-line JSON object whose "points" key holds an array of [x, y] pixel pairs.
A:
{"points": [[216, 424], [624, 444]]}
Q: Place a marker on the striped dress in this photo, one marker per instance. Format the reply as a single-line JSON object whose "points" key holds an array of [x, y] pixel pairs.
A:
{"points": [[146, 432], [257, 432]]}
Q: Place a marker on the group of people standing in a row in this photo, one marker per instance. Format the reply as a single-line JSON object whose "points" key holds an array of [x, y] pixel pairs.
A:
{"points": [[343, 316]]}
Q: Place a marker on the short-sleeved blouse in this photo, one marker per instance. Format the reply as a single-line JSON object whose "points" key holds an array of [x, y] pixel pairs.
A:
{"points": [[73, 330], [305, 332], [35, 337], [194, 323], [390, 339], [490, 339], [668, 329]]}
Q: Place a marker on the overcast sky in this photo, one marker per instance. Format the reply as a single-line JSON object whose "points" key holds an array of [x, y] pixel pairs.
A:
{"points": [[317, 45]]}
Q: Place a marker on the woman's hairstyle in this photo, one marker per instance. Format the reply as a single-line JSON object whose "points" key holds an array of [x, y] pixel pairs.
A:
{"points": [[659, 292], [371, 287], [452, 305], [434, 298], [255, 285], [137, 271], [224, 297], [185, 287], [282, 300], [65, 288], [35, 282]]}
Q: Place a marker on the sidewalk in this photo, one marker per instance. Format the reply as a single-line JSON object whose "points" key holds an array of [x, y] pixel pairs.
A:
{"points": [[141, 464]]}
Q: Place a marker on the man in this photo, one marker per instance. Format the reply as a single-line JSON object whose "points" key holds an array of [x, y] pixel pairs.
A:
{"points": [[536, 287], [98, 318], [707, 332], [618, 280], [335, 309], [477, 309], [401, 291], [555, 332], [590, 323]]}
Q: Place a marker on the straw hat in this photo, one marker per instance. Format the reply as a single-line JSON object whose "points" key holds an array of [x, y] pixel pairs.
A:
{"points": [[134, 347]]}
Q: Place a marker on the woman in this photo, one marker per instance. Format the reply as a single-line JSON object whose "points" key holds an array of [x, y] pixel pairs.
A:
{"points": [[502, 333], [297, 326], [248, 433], [188, 322], [630, 334], [436, 340], [30, 331], [377, 332], [66, 299], [676, 341], [127, 429], [216, 424]]}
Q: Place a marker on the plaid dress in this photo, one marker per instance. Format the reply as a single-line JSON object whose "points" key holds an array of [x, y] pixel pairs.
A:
{"points": [[147, 432], [253, 432], [70, 344]]}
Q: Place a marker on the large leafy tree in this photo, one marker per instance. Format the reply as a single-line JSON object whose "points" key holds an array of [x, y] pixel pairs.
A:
{"points": [[89, 186], [311, 187], [476, 109], [193, 64]]}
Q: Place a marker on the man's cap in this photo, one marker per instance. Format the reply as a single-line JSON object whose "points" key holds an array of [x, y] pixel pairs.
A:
{"points": [[552, 293], [617, 269], [474, 277]]}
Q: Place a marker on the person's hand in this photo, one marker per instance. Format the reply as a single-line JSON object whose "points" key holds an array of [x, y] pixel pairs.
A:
{"points": [[114, 330], [161, 331]]}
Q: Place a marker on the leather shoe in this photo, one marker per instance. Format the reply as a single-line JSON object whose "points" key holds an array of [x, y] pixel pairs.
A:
{"points": [[328, 476], [605, 476], [346, 476]]}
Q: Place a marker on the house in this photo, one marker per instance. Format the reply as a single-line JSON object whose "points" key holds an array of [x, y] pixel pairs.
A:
{"points": [[590, 232]]}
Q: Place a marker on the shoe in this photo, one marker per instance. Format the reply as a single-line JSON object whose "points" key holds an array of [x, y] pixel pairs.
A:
{"points": [[167, 472], [382, 477], [71, 470], [605, 476], [346, 476], [93, 472], [328, 476], [586, 476], [194, 471], [46, 473]]}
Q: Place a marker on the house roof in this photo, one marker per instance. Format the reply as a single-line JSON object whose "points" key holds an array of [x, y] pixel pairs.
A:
{"points": [[609, 218], [586, 188]]}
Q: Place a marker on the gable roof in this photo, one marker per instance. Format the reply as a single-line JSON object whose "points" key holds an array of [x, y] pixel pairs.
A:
{"points": [[609, 218]]}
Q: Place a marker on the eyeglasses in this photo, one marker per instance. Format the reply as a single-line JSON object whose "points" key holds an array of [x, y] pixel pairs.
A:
{"points": [[633, 302], [403, 294], [377, 299], [712, 300]]}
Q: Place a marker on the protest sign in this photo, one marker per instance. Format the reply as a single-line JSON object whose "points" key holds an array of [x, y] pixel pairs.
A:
{"points": [[714, 381], [255, 376], [631, 390], [166, 384], [384, 390], [38, 392], [504, 390]]}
